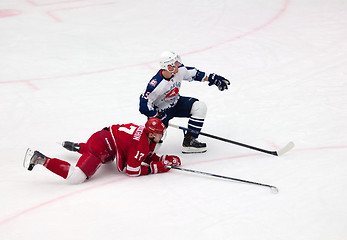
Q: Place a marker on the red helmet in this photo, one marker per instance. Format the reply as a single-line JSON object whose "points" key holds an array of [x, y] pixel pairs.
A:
{"points": [[154, 125]]}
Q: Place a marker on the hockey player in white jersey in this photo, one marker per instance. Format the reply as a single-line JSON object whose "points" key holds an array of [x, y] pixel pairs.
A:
{"points": [[161, 98]]}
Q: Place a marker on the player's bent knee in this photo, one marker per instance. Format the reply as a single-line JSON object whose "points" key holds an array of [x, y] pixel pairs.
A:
{"points": [[199, 110], [76, 176]]}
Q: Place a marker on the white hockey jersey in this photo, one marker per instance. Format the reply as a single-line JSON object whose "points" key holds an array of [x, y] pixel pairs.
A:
{"points": [[162, 93]]}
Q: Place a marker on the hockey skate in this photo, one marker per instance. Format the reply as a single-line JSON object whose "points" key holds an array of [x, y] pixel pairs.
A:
{"points": [[33, 158], [191, 145], [74, 147]]}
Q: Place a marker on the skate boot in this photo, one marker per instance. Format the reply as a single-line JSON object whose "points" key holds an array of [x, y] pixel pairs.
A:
{"points": [[74, 147], [32, 158], [191, 145]]}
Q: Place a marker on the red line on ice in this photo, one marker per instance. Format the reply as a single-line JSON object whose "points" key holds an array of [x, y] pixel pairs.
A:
{"points": [[30, 209], [9, 13], [36, 4], [25, 211], [258, 28], [51, 12]]}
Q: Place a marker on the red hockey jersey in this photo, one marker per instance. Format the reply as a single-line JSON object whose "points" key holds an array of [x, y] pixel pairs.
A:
{"points": [[132, 149]]}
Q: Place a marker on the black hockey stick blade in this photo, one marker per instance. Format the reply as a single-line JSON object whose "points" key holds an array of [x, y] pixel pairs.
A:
{"points": [[280, 152]]}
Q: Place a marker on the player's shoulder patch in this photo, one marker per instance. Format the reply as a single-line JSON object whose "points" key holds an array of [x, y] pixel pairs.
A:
{"points": [[153, 82]]}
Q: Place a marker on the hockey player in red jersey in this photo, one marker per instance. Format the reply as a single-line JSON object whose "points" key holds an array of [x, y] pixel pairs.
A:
{"points": [[131, 146]]}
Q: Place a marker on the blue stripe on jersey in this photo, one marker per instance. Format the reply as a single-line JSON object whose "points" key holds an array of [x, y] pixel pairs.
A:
{"points": [[143, 107], [199, 76], [153, 83]]}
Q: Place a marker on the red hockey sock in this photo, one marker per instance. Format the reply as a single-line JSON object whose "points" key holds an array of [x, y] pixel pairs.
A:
{"points": [[83, 148], [58, 166]]}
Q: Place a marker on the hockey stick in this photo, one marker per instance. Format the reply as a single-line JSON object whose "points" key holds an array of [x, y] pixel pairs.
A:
{"points": [[280, 152], [272, 188]]}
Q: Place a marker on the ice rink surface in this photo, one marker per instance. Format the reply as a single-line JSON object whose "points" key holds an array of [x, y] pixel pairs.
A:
{"points": [[70, 68]]}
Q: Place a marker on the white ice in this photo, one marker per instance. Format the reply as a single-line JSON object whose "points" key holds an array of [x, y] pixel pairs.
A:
{"points": [[72, 67]]}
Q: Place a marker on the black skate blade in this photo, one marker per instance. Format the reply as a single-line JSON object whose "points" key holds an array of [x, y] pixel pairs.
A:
{"points": [[31, 166]]}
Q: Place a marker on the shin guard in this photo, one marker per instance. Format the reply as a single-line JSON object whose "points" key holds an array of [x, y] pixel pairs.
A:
{"points": [[58, 167]]}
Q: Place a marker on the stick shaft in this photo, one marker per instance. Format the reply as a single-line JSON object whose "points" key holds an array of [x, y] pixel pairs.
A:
{"points": [[227, 140], [224, 177]]}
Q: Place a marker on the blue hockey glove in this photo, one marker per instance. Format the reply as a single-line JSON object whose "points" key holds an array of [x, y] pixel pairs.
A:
{"points": [[161, 115], [219, 81]]}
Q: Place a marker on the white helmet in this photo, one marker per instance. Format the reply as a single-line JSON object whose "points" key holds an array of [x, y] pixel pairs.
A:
{"points": [[168, 58]]}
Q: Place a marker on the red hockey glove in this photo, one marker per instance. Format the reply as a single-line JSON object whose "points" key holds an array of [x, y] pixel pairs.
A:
{"points": [[171, 160], [165, 160], [158, 167]]}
